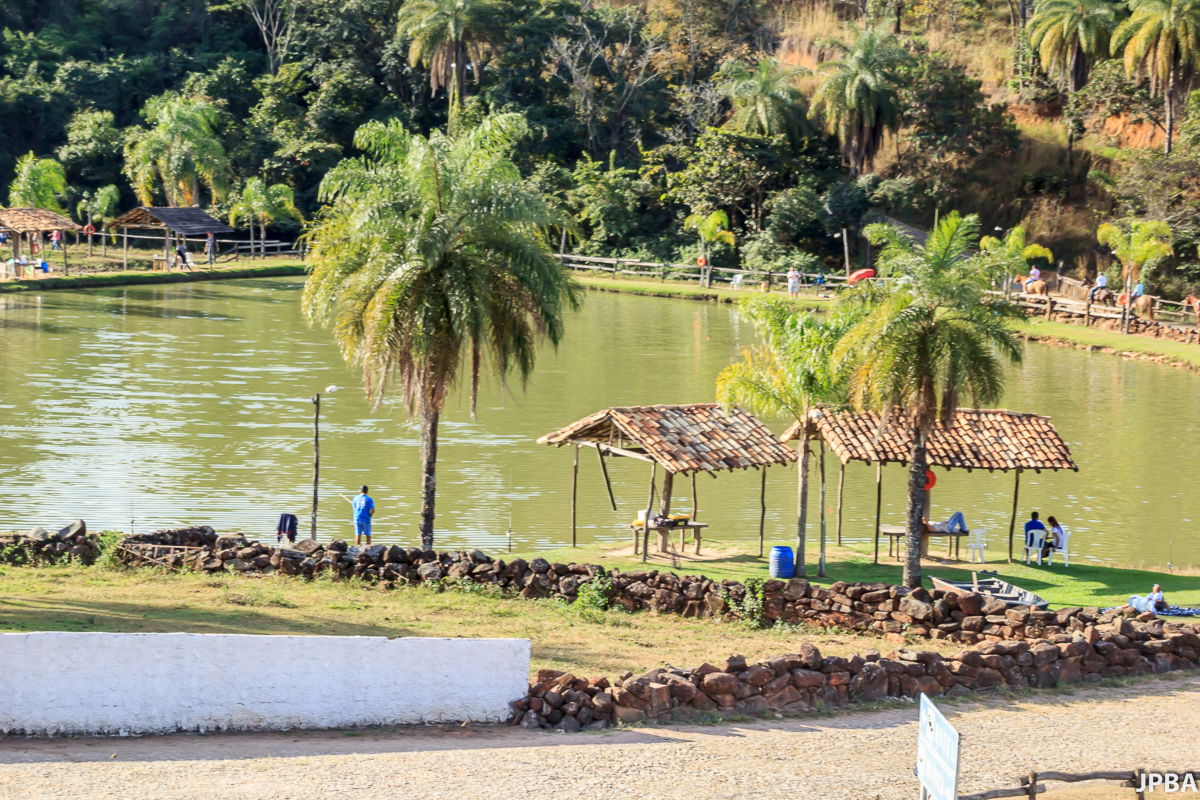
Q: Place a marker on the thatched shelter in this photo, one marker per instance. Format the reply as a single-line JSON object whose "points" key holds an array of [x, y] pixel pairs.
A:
{"points": [[682, 440]]}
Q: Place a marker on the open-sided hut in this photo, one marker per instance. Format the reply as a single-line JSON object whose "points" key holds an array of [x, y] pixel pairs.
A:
{"points": [[175, 223], [985, 439], [681, 440], [31, 223]]}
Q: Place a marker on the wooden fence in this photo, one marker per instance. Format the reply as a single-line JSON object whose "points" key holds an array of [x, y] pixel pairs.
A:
{"points": [[1031, 785], [703, 275]]}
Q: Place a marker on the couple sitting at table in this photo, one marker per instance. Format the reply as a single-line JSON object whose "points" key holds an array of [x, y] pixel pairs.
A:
{"points": [[1052, 537]]}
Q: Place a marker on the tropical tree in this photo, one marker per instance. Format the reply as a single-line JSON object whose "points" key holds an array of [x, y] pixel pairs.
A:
{"points": [[712, 228], [258, 202], [765, 99], [1161, 41], [1139, 246], [448, 37], [1070, 36], [858, 97], [179, 152], [38, 183], [785, 376], [1013, 253], [431, 257], [99, 205], [933, 335]]}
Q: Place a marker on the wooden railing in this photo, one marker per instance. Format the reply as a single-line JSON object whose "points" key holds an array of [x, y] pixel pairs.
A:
{"points": [[669, 271]]}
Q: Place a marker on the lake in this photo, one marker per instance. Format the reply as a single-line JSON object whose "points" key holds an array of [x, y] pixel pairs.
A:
{"points": [[150, 406]]}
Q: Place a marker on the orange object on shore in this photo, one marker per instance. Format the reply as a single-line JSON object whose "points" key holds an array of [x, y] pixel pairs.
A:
{"points": [[860, 275]]}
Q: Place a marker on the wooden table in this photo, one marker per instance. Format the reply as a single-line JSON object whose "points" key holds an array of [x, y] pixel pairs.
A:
{"points": [[664, 535], [897, 533]]}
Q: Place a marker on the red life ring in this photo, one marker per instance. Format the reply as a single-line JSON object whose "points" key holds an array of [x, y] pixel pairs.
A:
{"points": [[89, 229], [860, 275], [702, 261], [930, 479], [1123, 298]]}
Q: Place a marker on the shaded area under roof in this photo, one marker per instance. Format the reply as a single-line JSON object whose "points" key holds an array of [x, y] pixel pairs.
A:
{"points": [[991, 439], [701, 437], [189, 221], [34, 220]]}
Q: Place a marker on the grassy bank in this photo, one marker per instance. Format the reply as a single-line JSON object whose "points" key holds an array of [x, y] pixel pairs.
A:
{"points": [[583, 640], [88, 281], [685, 291], [1178, 353]]}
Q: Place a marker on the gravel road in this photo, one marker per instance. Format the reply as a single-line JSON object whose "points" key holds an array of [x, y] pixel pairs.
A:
{"points": [[860, 756]]}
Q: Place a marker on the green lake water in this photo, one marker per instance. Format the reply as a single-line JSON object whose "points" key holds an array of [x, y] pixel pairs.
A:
{"points": [[155, 406]]}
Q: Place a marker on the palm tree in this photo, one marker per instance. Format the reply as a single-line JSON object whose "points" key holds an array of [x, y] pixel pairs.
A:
{"points": [[431, 257], [179, 152], [447, 36], [933, 336], [1161, 40], [786, 376], [1069, 36], [711, 229], [765, 99], [858, 97], [1013, 253], [38, 183], [98, 206], [258, 202], [1142, 246]]}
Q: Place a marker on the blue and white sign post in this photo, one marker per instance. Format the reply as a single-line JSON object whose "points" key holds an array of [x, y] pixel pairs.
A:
{"points": [[937, 754]]}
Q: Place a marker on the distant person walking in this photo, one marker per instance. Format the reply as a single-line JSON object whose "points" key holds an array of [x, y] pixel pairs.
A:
{"points": [[56, 240], [364, 510], [181, 253], [210, 248]]}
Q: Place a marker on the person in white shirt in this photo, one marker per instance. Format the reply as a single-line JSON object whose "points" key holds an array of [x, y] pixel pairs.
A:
{"points": [[793, 279], [1156, 598]]}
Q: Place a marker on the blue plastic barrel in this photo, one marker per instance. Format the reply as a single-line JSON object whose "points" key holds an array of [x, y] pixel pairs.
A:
{"points": [[781, 563]]}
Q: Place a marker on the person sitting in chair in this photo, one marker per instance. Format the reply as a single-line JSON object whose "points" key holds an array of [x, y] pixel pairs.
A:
{"points": [[1034, 524], [1054, 538]]}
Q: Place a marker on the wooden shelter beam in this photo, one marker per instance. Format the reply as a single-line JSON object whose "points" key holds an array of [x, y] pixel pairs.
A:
{"points": [[574, 496], [607, 483], [1012, 523], [612, 451], [878, 505]]}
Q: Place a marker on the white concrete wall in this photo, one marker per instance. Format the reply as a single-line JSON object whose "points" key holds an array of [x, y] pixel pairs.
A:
{"points": [[162, 682]]}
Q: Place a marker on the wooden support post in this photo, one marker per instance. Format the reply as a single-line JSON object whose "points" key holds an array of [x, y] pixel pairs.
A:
{"points": [[762, 513], [1012, 523], [878, 504], [125, 249], [695, 500], [821, 557], [649, 514], [607, 483], [574, 496], [840, 496], [63, 241], [664, 507], [1087, 313], [167, 247]]}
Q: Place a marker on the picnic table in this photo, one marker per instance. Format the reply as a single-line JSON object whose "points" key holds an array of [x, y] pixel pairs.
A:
{"points": [[664, 535], [896, 534]]}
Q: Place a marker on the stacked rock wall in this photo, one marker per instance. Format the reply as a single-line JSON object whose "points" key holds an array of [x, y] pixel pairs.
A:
{"points": [[41, 546]]}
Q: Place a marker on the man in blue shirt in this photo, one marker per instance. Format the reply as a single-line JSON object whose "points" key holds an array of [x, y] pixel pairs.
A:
{"points": [[1034, 524], [364, 509]]}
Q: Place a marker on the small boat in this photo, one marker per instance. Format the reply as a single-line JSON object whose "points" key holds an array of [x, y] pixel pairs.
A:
{"points": [[1013, 596]]}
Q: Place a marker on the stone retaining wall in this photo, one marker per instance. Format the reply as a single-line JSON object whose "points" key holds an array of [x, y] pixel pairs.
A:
{"points": [[1109, 645], [42, 546]]}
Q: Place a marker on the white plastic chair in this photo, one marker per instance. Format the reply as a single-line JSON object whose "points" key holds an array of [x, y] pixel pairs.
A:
{"points": [[1035, 548], [1066, 553], [977, 545]]}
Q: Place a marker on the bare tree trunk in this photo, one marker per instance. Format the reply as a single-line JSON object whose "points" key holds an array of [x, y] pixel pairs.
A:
{"points": [[429, 444], [916, 509], [801, 506], [1170, 112]]}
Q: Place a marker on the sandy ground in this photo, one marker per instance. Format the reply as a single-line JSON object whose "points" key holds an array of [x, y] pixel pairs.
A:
{"points": [[859, 756]]}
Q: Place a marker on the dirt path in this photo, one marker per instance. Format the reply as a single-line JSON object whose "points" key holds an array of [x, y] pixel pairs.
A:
{"points": [[861, 756]]}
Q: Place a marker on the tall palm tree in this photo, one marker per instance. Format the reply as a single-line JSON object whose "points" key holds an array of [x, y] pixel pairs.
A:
{"points": [[1140, 247], [431, 257], [1070, 36], [179, 152], [38, 183], [448, 35], [765, 99], [934, 336], [788, 374], [858, 98], [711, 229], [1161, 40], [98, 206], [258, 202]]}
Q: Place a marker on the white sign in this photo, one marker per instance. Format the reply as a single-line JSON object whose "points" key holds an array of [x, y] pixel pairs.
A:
{"points": [[937, 753]]}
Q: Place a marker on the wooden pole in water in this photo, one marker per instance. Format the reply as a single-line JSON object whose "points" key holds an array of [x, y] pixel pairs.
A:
{"points": [[649, 514], [316, 400], [574, 494], [878, 504], [762, 512], [821, 558], [607, 483], [840, 496], [1012, 523]]}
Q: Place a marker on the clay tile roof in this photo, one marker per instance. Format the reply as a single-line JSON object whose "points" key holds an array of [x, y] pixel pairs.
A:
{"points": [[991, 439], [689, 438], [34, 220]]}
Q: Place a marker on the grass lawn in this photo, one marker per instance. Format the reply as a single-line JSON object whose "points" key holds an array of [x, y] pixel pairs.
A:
{"points": [[1076, 585], [687, 291], [1188, 354], [580, 640]]}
